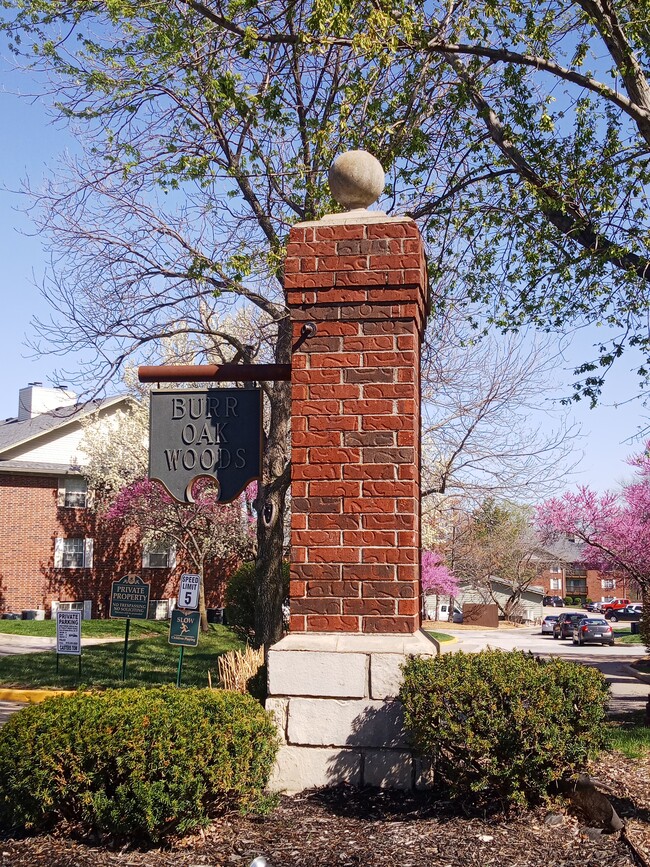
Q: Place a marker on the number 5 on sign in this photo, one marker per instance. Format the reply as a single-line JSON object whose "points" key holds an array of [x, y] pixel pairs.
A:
{"points": [[188, 595]]}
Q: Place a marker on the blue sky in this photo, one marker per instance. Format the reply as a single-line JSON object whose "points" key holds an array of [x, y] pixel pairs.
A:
{"points": [[29, 142]]}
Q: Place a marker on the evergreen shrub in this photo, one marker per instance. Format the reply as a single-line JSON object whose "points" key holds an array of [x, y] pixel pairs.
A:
{"points": [[501, 726], [241, 598], [134, 763]]}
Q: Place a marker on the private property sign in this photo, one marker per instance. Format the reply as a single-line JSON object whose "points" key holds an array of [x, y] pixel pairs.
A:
{"points": [[130, 598], [214, 433]]}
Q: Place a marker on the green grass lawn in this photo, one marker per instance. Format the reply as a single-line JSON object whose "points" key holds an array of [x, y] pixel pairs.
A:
{"points": [[441, 636], [624, 636], [89, 628], [631, 738], [151, 660]]}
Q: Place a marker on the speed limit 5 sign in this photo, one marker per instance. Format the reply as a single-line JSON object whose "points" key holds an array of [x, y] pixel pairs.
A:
{"points": [[188, 595]]}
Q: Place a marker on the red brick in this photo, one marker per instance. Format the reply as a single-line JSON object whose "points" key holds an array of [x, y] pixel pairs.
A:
{"points": [[368, 344], [319, 407], [297, 588], [320, 471], [315, 438], [335, 489], [305, 605], [310, 538], [339, 589], [340, 392], [319, 455], [340, 232], [298, 521], [394, 359], [388, 555], [332, 522], [369, 606], [366, 573], [367, 407], [296, 621], [319, 571], [336, 359], [342, 263], [316, 377], [387, 520], [387, 391], [394, 589], [406, 229], [369, 471], [333, 422], [392, 488], [398, 625], [332, 623], [374, 538], [334, 555], [407, 606], [368, 505]]}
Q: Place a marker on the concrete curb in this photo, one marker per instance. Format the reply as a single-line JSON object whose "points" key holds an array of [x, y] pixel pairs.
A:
{"points": [[644, 678], [32, 696]]}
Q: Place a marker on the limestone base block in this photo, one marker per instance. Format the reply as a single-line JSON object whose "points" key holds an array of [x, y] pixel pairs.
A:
{"points": [[298, 768], [334, 697]]}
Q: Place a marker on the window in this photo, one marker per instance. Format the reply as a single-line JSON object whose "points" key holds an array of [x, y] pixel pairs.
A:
{"points": [[556, 583], [608, 584], [159, 556], [73, 553], [570, 537], [73, 492], [556, 570]]}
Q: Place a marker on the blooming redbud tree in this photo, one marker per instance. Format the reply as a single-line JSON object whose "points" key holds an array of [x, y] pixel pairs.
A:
{"points": [[202, 530], [437, 579], [615, 528]]}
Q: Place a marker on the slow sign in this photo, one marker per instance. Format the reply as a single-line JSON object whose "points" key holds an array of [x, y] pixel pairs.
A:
{"points": [[184, 628], [214, 432]]}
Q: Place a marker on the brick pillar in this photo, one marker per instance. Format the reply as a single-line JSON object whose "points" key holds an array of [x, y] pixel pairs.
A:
{"points": [[355, 535]]}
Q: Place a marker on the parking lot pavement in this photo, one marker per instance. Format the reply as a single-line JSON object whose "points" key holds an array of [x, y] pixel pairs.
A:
{"points": [[627, 693]]}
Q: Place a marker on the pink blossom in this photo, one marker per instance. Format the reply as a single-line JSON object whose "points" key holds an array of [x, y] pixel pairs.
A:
{"points": [[614, 529], [436, 577]]}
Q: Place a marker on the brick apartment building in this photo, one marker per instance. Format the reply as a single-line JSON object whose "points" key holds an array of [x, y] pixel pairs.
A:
{"points": [[53, 548], [564, 574]]}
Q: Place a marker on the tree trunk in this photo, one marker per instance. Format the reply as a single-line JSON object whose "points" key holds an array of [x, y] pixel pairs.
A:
{"points": [[271, 504]]}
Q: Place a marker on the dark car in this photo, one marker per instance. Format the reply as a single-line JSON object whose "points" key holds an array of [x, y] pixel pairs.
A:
{"points": [[563, 627], [553, 601], [593, 606], [631, 614], [593, 629]]}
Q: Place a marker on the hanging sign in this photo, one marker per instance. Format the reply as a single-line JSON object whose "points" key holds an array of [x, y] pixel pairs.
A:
{"points": [[214, 433]]}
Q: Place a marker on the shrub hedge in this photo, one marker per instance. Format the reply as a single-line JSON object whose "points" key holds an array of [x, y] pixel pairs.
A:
{"points": [[241, 597], [134, 763], [503, 726]]}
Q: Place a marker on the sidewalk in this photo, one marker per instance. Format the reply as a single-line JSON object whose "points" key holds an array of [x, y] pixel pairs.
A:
{"points": [[32, 644]]}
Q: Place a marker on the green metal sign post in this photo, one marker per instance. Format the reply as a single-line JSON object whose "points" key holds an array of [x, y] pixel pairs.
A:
{"points": [[129, 598], [183, 632]]}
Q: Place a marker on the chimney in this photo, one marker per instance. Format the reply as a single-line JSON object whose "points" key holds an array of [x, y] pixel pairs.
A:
{"points": [[35, 400]]}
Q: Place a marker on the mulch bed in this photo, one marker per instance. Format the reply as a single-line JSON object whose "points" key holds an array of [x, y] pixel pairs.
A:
{"points": [[344, 827]]}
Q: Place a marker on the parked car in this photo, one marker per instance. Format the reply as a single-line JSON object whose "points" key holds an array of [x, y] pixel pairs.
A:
{"points": [[547, 624], [594, 606], [631, 613], [593, 629], [553, 601], [563, 626], [614, 605]]}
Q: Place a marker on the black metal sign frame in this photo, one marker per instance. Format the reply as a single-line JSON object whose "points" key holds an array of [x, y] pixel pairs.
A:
{"points": [[213, 433]]}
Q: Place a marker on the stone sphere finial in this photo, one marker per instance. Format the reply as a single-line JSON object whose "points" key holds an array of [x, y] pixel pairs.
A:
{"points": [[356, 179]]}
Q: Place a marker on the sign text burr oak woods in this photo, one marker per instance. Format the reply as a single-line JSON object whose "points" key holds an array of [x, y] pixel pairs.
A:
{"points": [[215, 432]]}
